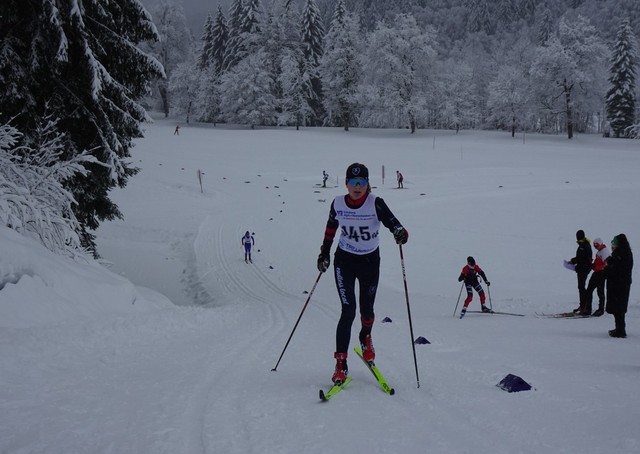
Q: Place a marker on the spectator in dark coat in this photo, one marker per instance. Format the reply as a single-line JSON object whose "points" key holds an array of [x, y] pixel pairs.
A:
{"points": [[618, 269], [582, 262]]}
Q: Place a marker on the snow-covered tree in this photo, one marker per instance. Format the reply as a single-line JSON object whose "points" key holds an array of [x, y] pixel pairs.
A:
{"points": [[295, 109], [545, 27], [567, 69], [236, 11], [83, 61], [206, 102], [341, 68], [621, 96], [33, 200], [526, 8], [172, 48], [509, 92], [508, 98], [219, 42], [398, 64], [184, 86], [199, 87], [455, 97], [206, 50], [281, 41], [479, 17], [246, 92], [243, 32], [312, 41]]}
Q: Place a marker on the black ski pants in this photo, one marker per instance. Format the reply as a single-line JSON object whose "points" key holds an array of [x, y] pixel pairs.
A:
{"points": [[596, 282], [347, 269], [582, 287]]}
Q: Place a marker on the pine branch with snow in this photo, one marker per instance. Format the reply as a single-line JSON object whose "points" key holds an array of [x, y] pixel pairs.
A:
{"points": [[33, 200]]}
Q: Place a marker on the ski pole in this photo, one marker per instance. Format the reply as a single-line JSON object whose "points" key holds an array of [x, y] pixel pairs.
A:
{"points": [[406, 294], [298, 321], [457, 302], [489, 293]]}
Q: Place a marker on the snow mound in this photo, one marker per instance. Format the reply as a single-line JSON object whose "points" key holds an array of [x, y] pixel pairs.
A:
{"points": [[39, 288]]}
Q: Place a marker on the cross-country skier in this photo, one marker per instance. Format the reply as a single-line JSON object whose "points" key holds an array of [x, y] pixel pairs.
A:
{"points": [[325, 177], [469, 275], [248, 241], [400, 179], [357, 257]]}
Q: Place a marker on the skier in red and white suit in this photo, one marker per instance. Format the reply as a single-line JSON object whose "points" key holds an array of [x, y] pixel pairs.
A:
{"points": [[469, 275]]}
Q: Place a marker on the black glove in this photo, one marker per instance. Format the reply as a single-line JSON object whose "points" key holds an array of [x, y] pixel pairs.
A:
{"points": [[488, 283], [323, 260], [401, 235]]}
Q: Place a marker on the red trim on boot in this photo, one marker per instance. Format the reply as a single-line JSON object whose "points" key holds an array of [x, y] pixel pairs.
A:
{"points": [[368, 352], [341, 371]]}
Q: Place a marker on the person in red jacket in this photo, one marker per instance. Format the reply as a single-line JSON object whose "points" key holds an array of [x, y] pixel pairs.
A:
{"points": [[598, 278], [469, 275]]}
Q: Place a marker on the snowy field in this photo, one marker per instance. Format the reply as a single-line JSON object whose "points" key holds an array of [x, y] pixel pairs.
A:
{"points": [[170, 349]]}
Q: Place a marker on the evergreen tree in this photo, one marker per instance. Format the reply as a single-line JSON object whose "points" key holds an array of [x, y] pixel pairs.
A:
{"points": [[206, 51], [247, 92], [245, 38], [621, 96], [85, 64], [339, 13], [283, 45], [220, 40], [236, 12], [341, 68], [526, 9], [506, 11], [545, 27], [312, 36], [479, 18], [250, 19]]}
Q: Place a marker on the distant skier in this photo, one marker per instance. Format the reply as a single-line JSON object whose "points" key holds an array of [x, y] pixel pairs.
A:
{"points": [[325, 177], [598, 277], [248, 241], [582, 262], [176, 132], [469, 275], [400, 179]]}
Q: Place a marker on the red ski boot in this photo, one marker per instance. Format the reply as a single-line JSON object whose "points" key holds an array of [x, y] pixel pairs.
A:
{"points": [[368, 352], [340, 374]]}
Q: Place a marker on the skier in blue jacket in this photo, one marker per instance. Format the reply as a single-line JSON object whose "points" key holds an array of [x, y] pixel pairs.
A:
{"points": [[247, 241]]}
